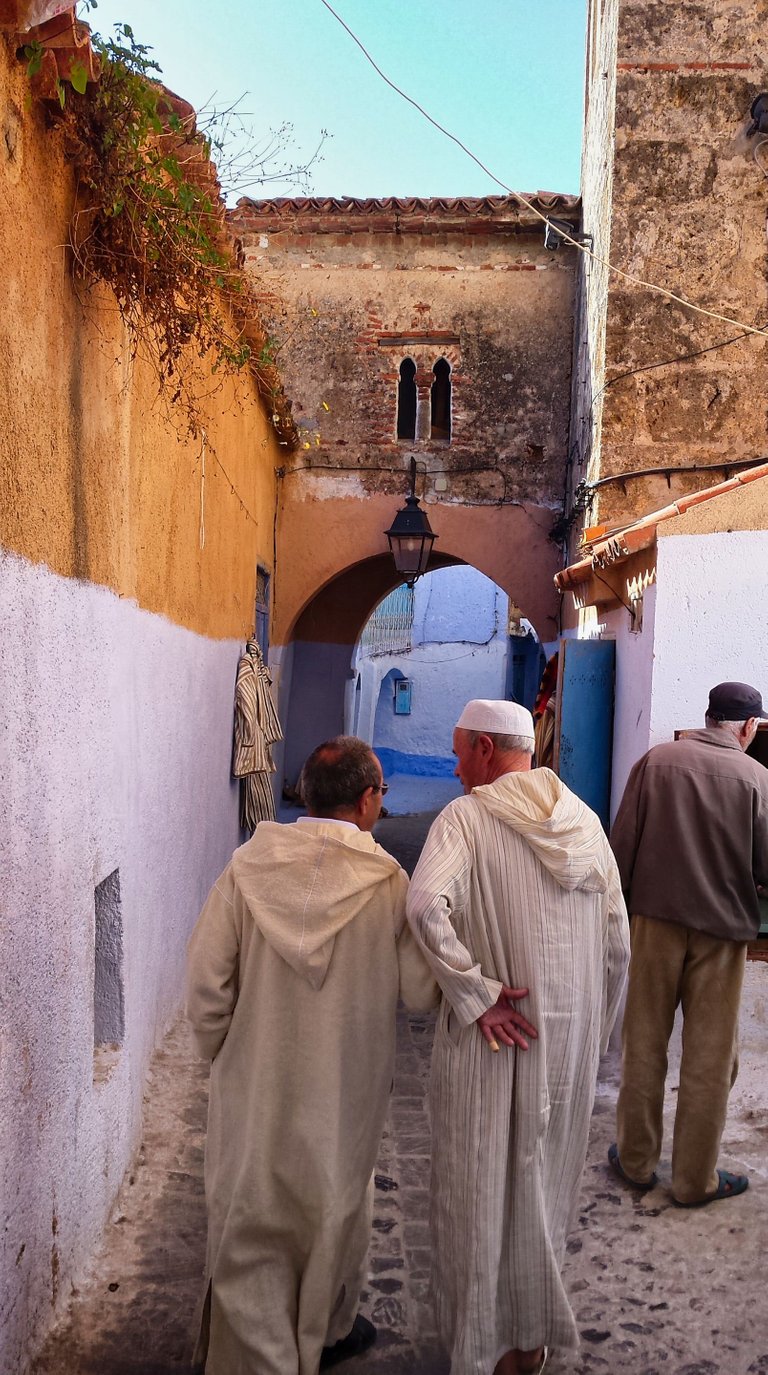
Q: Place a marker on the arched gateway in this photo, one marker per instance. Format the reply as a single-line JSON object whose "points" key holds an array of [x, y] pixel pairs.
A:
{"points": [[321, 607], [432, 329]]}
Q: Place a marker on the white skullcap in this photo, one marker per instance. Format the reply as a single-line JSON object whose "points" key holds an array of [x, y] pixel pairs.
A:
{"points": [[496, 718]]}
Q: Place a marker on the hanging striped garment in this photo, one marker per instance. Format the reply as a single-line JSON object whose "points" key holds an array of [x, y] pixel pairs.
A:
{"points": [[256, 729]]}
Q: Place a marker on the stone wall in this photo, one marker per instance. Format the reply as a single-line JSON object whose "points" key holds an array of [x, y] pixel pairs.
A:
{"points": [[689, 203], [354, 288], [592, 272]]}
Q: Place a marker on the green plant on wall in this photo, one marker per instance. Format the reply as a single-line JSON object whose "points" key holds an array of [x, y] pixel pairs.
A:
{"points": [[149, 220]]}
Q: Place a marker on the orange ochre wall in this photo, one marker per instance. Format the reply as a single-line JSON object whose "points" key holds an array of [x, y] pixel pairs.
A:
{"points": [[98, 479], [327, 537]]}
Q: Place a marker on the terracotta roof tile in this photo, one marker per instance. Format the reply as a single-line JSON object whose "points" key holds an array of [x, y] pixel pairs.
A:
{"points": [[354, 205], [501, 210]]}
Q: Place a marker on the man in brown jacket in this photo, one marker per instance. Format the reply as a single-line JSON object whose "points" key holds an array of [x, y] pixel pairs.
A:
{"points": [[691, 841]]}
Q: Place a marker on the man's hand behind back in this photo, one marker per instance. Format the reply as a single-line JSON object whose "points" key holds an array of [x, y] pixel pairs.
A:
{"points": [[502, 1023]]}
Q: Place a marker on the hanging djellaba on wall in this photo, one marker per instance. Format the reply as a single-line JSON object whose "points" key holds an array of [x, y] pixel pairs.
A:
{"points": [[256, 729]]}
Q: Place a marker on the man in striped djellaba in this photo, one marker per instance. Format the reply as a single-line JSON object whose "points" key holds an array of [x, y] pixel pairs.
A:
{"points": [[516, 898]]}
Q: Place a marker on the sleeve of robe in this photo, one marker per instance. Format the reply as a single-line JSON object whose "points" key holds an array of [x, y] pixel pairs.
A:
{"points": [[440, 889], [418, 989], [615, 950], [213, 957]]}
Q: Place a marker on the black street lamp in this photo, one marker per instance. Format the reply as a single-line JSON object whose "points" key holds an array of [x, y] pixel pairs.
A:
{"points": [[410, 537]]}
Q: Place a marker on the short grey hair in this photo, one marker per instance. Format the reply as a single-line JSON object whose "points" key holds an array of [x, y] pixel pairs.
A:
{"points": [[505, 744], [733, 727]]}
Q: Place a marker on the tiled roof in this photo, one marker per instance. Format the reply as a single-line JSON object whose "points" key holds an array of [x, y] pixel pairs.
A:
{"points": [[545, 201], [624, 541]]}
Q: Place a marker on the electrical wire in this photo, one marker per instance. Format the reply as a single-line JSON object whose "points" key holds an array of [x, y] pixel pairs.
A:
{"points": [[233, 489], [524, 200], [667, 362]]}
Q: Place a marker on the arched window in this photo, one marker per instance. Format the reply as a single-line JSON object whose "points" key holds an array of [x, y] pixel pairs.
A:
{"points": [[406, 400], [441, 400]]}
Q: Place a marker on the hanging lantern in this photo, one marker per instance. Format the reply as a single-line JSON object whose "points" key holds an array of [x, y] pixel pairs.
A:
{"points": [[410, 537]]}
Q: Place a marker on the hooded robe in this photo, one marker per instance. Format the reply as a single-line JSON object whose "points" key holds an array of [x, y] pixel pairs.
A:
{"points": [[294, 971], [517, 885]]}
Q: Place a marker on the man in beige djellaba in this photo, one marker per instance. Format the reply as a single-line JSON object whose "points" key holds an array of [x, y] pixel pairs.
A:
{"points": [[294, 972], [516, 898]]}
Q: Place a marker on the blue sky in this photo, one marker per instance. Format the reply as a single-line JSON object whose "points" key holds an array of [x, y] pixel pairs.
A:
{"points": [[506, 76]]}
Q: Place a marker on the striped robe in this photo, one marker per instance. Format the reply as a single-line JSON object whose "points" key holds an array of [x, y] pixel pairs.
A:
{"points": [[516, 884], [256, 729]]}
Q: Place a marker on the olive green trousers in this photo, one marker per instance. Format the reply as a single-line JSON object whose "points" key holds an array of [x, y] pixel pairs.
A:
{"points": [[673, 965]]}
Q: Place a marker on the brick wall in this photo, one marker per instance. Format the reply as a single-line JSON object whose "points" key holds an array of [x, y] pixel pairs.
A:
{"points": [[354, 291]]}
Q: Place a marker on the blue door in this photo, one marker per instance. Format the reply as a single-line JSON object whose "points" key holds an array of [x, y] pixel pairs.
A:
{"points": [[583, 748]]}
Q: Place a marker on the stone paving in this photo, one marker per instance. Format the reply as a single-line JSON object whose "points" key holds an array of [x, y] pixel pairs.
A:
{"points": [[656, 1290]]}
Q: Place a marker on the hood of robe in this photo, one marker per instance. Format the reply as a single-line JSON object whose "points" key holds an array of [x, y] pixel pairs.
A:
{"points": [[561, 830], [302, 884]]}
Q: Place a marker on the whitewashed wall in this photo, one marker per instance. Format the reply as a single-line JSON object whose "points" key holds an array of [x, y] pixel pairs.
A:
{"points": [[704, 622], [634, 686], [115, 747], [459, 652], [711, 622]]}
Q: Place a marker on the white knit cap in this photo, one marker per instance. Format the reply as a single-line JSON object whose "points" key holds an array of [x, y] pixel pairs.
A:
{"points": [[496, 718]]}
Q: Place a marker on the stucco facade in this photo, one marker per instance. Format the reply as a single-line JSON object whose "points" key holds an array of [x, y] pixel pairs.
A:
{"points": [[128, 557], [353, 290], [674, 194], [681, 594]]}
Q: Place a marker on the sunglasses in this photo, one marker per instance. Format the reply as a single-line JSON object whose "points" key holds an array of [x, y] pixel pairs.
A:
{"points": [[383, 788]]}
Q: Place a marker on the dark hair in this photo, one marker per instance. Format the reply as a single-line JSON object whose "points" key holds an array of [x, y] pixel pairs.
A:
{"points": [[336, 773]]}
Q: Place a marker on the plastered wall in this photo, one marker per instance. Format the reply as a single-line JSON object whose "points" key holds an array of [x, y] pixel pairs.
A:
{"points": [[99, 480], [128, 555], [460, 648], [711, 622], [351, 289]]}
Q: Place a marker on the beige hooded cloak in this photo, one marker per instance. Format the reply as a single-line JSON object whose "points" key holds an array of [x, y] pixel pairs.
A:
{"points": [[294, 971], [516, 885]]}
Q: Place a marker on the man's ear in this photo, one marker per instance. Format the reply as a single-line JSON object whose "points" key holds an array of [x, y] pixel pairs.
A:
{"points": [[486, 745]]}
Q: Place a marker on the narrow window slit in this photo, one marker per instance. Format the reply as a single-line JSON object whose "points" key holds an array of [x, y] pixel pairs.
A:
{"points": [[406, 400], [441, 401]]}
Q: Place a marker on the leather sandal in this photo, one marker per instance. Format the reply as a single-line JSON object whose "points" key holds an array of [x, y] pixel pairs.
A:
{"points": [[618, 1169], [729, 1185], [362, 1335]]}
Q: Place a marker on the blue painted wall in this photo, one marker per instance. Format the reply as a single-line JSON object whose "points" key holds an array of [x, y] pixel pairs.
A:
{"points": [[459, 651]]}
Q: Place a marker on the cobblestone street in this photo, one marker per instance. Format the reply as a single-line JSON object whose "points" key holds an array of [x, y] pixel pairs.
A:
{"points": [[656, 1290]]}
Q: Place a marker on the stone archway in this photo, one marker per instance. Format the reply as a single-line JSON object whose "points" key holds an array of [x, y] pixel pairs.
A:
{"points": [[315, 635]]}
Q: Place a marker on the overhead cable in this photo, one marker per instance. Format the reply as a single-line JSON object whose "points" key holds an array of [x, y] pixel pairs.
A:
{"points": [[524, 200]]}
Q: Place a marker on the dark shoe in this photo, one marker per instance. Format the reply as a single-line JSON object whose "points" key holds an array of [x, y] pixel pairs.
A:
{"points": [[616, 1166], [729, 1185], [357, 1341], [538, 1365]]}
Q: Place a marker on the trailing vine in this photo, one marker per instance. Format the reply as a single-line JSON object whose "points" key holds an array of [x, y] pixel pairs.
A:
{"points": [[149, 222]]}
